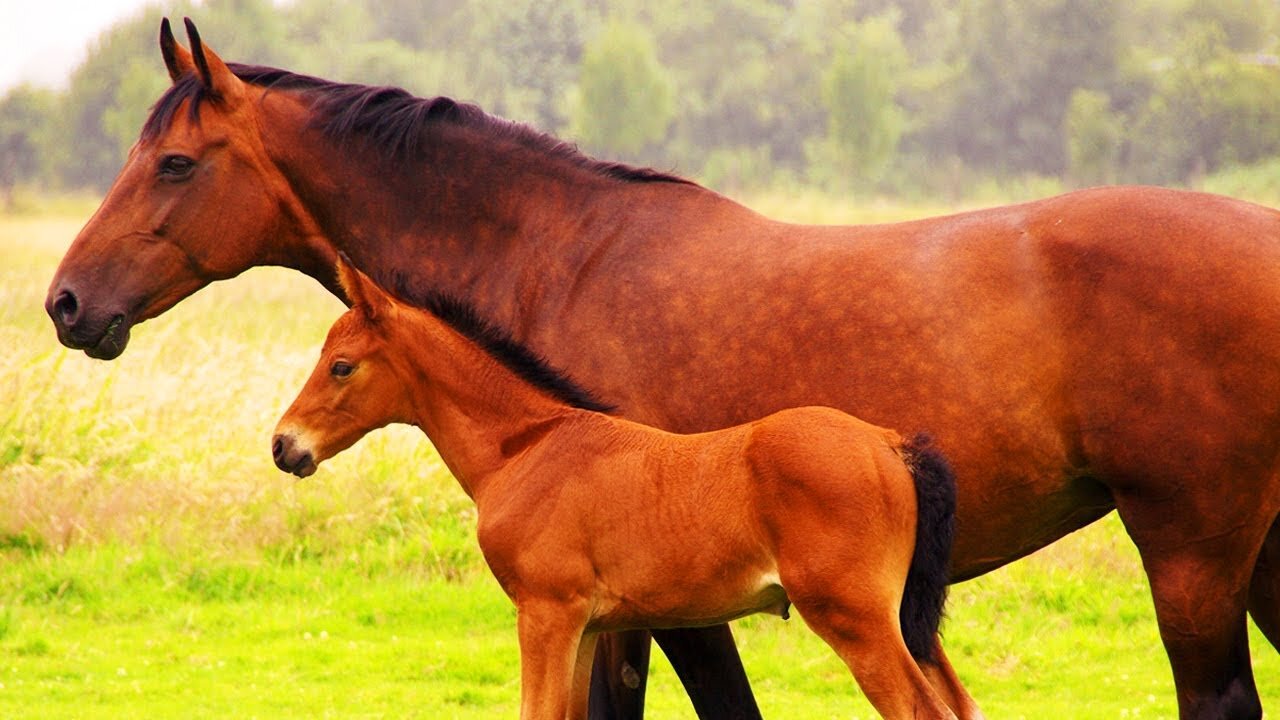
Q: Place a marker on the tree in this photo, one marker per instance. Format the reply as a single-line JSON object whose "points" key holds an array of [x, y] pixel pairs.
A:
{"points": [[1093, 136], [624, 99], [1207, 108], [1020, 61], [25, 116], [864, 122], [139, 86]]}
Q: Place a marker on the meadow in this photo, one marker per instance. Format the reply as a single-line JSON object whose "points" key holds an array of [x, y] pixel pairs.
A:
{"points": [[155, 564]]}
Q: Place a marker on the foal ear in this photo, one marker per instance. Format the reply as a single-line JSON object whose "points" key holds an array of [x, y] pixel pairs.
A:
{"points": [[365, 295], [218, 79], [177, 58]]}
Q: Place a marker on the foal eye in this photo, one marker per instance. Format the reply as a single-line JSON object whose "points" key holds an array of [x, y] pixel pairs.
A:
{"points": [[341, 369], [175, 166]]}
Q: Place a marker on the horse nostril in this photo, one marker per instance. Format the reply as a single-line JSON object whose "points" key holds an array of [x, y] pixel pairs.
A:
{"points": [[66, 308], [280, 453]]}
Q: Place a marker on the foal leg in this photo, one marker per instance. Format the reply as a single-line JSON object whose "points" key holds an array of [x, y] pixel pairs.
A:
{"points": [[582, 677], [1264, 588], [1199, 569], [619, 676], [946, 683], [550, 635], [871, 644], [707, 663]]}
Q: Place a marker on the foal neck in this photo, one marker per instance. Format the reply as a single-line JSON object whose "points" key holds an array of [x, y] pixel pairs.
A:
{"points": [[478, 412]]}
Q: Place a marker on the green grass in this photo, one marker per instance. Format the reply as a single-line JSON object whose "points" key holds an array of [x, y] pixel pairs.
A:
{"points": [[153, 562]]}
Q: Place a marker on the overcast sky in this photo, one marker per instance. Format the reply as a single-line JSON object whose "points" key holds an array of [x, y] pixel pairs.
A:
{"points": [[41, 41]]}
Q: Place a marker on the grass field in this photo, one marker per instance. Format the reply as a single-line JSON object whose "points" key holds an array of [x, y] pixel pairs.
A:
{"points": [[154, 564]]}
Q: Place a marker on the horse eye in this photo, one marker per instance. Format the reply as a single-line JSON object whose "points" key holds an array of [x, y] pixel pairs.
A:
{"points": [[175, 166], [341, 369]]}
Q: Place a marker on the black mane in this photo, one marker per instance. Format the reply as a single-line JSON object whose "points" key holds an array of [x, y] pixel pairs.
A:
{"points": [[498, 343], [388, 118]]}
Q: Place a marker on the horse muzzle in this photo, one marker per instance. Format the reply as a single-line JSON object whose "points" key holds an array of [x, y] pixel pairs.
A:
{"points": [[291, 458], [102, 336]]}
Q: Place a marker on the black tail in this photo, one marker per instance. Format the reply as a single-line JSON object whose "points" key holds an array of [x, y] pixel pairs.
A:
{"points": [[926, 590]]}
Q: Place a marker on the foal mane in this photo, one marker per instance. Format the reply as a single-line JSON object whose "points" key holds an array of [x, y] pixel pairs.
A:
{"points": [[500, 345], [389, 118]]}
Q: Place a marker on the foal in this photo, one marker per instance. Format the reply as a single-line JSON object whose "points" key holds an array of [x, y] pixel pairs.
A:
{"points": [[807, 506]]}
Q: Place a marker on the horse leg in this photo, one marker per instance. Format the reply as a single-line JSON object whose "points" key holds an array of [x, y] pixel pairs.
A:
{"points": [[1264, 588], [707, 662], [550, 635], [582, 677], [871, 645], [619, 676], [946, 683], [1199, 569]]}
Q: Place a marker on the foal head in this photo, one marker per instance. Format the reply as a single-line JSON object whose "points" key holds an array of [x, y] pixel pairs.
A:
{"points": [[352, 390]]}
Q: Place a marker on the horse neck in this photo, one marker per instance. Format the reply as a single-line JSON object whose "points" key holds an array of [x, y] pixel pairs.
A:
{"points": [[478, 413], [474, 215]]}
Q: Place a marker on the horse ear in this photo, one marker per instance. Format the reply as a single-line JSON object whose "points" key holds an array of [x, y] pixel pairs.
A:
{"points": [[364, 294], [177, 58], [218, 79]]}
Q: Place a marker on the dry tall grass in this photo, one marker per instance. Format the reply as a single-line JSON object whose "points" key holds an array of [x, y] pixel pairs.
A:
{"points": [[171, 442]]}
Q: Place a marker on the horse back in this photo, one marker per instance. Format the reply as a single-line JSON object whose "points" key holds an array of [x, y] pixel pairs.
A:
{"points": [[1059, 350]]}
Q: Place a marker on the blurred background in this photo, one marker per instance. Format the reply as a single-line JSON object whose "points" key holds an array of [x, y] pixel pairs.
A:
{"points": [[154, 563], [945, 100]]}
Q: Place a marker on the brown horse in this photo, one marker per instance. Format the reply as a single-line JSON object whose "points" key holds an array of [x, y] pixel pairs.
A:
{"points": [[1110, 348], [807, 506]]}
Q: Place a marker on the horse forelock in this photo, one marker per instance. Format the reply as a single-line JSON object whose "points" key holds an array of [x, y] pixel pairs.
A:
{"points": [[188, 87], [389, 119]]}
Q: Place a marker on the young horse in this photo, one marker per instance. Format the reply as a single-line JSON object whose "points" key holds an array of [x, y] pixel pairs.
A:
{"points": [[1109, 349], [807, 506]]}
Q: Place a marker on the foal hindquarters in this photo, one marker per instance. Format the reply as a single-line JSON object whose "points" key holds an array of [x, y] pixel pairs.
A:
{"points": [[844, 517]]}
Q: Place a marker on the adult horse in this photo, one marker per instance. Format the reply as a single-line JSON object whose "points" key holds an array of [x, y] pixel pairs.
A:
{"points": [[1110, 348]]}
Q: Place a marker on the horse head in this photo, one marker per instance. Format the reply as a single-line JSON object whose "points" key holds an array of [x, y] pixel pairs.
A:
{"points": [[198, 200]]}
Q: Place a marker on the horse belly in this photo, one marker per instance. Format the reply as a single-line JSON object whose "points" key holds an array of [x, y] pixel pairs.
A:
{"points": [[706, 598], [678, 545]]}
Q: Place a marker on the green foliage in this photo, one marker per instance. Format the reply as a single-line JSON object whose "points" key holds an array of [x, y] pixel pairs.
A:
{"points": [[1021, 61], [26, 116], [734, 169], [864, 121], [913, 97], [141, 83], [537, 47], [1093, 134], [1207, 108], [624, 100], [1246, 24], [1259, 182]]}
